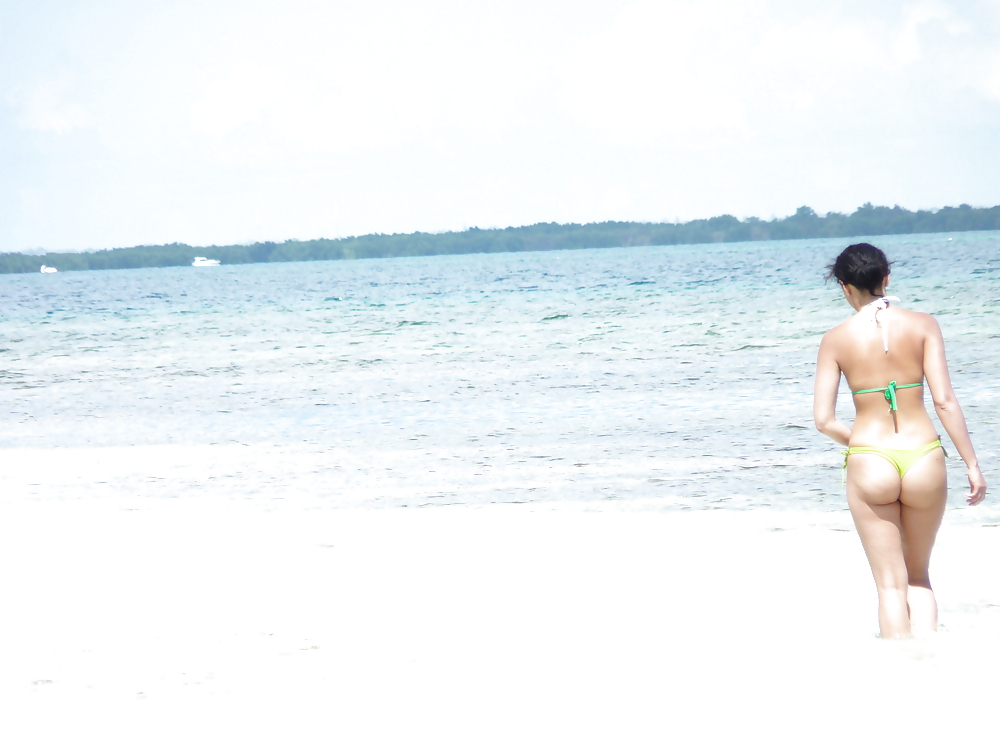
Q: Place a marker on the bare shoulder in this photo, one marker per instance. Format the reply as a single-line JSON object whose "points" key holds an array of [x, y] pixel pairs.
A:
{"points": [[923, 321], [835, 334]]}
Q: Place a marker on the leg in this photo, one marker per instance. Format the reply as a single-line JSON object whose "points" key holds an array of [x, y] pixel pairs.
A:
{"points": [[922, 498], [872, 494]]}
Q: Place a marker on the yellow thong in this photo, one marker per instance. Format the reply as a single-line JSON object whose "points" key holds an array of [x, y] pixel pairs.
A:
{"points": [[901, 458]]}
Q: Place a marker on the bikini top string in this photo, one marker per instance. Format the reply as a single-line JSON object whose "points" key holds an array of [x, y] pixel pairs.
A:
{"points": [[875, 307]]}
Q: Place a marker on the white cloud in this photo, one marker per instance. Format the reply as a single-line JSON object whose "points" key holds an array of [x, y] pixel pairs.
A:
{"points": [[654, 73], [233, 97], [412, 77], [705, 71], [713, 72], [907, 44], [48, 108], [990, 84]]}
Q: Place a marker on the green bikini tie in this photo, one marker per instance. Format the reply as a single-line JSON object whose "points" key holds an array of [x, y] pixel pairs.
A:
{"points": [[889, 392]]}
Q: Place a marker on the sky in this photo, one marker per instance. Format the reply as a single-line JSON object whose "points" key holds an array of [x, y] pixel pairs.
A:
{"points": [[219, 121]]}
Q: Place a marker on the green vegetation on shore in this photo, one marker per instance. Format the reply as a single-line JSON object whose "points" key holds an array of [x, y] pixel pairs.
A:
{"points": [[868, 220]]}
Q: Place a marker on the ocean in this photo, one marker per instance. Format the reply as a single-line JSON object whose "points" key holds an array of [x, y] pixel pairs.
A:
{"points": [[674, 378]]}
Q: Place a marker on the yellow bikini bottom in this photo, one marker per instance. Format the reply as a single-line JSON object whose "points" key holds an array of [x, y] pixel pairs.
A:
{"points": [[901, 459]]}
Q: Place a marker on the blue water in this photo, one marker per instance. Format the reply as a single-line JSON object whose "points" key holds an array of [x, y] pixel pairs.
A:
{"points": [[674, 377]]}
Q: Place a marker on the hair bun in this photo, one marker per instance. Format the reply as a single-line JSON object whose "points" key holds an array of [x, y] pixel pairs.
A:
{"points": [[863, 266]]}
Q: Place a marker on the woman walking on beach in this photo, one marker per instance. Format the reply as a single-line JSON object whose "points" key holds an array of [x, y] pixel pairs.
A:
{"points": [[896, 483]]}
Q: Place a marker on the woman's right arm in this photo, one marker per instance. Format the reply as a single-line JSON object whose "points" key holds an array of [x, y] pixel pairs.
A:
{"points": [[825, 395], [948, 410]]}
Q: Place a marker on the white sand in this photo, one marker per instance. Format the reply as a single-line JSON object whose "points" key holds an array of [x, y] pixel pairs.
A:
{"points": [[204, 624]]}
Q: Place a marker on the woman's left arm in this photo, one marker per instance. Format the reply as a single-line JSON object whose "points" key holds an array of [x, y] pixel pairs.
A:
{"points": [[825, 395], [948, 410]]}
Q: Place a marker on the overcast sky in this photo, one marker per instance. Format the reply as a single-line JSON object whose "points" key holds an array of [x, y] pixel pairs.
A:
{"points": [[134, 122]]}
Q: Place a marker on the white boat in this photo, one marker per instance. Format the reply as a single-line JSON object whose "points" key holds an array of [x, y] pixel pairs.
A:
{"points": [[49, 269], [205, 262]]}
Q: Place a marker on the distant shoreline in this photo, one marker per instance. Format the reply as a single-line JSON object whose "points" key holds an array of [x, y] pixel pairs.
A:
{"points": [[868, 220]]}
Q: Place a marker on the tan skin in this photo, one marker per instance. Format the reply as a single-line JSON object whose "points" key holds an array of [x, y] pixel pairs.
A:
{"points": [[897, 519]]}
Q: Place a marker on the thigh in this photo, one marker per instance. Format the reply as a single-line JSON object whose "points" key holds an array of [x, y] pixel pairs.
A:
{"points": [[872, 495], [922, 497]]}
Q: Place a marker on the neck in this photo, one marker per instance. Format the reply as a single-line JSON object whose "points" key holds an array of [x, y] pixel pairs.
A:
{"points": [[863, 298]]}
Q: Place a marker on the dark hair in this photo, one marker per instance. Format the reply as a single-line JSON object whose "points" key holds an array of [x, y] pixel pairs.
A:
{"points": [[863, 266]]}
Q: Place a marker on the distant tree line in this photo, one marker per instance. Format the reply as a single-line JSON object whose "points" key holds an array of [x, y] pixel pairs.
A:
{"points": [[805, 223]]}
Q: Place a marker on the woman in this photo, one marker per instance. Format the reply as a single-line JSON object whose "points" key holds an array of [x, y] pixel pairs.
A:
{"points": [[896, 484]]}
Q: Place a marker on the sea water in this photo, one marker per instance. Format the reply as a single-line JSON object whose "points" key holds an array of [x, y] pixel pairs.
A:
{"points": [[657, 377]]}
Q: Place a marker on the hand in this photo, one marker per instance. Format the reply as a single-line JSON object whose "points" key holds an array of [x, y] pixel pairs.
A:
{"points": [[977, 486]]}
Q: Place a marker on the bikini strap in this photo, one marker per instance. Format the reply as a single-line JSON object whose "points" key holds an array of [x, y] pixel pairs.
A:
{"points": [[889, 392], [945, 450], [877, 306]]}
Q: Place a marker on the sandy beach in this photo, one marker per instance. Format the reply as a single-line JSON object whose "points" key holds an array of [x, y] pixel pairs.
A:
{"points": [[204, 624]]}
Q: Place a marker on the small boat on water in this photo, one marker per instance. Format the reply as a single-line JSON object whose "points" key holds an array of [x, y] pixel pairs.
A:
{"points": [[49, 269], [205, 262]]}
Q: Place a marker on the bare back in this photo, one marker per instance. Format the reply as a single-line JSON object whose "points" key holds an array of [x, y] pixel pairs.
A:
{"points": [[857, 347]]}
